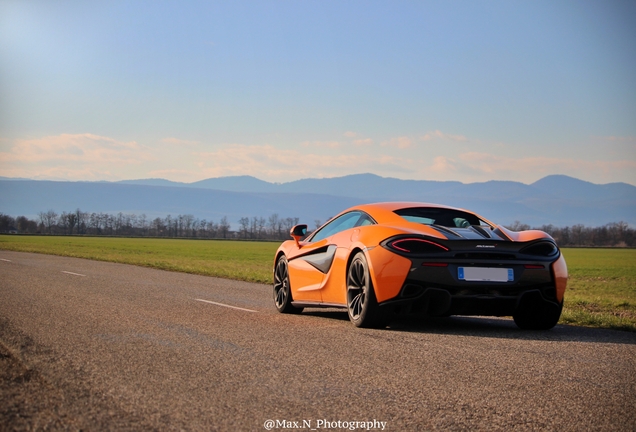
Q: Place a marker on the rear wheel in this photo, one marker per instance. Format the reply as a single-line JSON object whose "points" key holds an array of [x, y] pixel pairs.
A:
{"points": [[361, 302], [282, 289]]}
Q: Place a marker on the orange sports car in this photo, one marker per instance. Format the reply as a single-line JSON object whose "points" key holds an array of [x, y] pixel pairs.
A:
{"points": [[380, 261]]}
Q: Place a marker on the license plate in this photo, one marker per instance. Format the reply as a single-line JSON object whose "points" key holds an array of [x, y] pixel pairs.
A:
{"points": [[485, 274]]}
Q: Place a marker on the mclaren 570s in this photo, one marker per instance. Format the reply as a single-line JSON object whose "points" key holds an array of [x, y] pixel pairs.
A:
{"points": [[385, 260]]}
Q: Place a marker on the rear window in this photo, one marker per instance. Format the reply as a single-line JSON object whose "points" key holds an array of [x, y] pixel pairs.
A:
{"points": [[440, 216]]}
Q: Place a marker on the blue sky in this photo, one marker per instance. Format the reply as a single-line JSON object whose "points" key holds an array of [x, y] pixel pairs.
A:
{"points": [[282, 90]]}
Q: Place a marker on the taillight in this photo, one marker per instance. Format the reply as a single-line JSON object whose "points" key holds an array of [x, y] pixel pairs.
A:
{"points": [[543, 248], [416, 245]]}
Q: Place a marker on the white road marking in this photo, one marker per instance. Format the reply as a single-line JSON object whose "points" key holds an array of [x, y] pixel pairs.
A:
{"points": [[224, 305], [71, 273], [2, 259]]}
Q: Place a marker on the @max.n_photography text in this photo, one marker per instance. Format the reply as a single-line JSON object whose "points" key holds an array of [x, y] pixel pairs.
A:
{"points": [[324, 424]]}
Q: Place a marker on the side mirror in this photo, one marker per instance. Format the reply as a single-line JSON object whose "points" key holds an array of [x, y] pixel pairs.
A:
{"points": [[298, 232]]}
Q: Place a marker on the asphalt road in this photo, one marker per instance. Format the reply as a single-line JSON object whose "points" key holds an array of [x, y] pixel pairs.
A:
{"points": [[100, 346]]}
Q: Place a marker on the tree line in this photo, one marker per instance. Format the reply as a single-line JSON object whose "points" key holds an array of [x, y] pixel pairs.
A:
{"points": [[275, 227], [79, 222], [615, 234]]}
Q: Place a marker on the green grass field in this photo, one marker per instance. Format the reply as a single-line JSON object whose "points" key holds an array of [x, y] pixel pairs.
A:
{"points": [[248, 261], [601, 288]]}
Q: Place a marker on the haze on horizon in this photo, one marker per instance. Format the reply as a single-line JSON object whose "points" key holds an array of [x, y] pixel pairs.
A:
{"points": [[425, 90]]}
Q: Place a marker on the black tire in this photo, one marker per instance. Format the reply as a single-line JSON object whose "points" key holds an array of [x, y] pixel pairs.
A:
{"points": [[282, 289], [538, 316], [361, 302]]}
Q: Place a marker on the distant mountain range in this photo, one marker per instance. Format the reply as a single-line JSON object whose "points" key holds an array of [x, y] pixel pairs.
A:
{"points": [[557, 199]]}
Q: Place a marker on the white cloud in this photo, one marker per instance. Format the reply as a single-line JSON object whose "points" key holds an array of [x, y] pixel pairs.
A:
{"points": [[78, 147], [363, 142], [268, 162], [173, 174], [437, 134], [359, 141], [180, 142], [93, 157], [399, 142], [322, 144], [71, 156], [444, 166], [491, 166]]}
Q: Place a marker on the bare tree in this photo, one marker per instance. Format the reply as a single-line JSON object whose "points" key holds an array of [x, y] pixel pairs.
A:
{"points": [[42, 217], [109, 223], [168, 223], [179, 222], [253, 225], [194, 228], [6, 222], [612, 234], [186, 224], [26, 225], [81, 220], [48, 219], [224, 227], [62, 222], [274, 225], [518, 226], [244, 223], [158, 227], [260, 227], [212, 229], [143, 224]]}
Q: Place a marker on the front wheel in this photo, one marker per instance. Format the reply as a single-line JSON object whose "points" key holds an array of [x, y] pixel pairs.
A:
{"points": [[282, 289], [361, 302]]}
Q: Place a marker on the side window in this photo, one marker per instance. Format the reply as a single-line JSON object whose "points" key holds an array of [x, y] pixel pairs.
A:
{"points": [[346, 221], [365, 220]]}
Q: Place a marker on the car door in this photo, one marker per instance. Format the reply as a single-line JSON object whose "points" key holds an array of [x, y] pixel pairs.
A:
{"points": [[334, 285], [309, 264], [305, 278]]}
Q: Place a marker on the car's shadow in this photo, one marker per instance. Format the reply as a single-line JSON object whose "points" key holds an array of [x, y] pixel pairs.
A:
{"points": [[503, 328]]}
